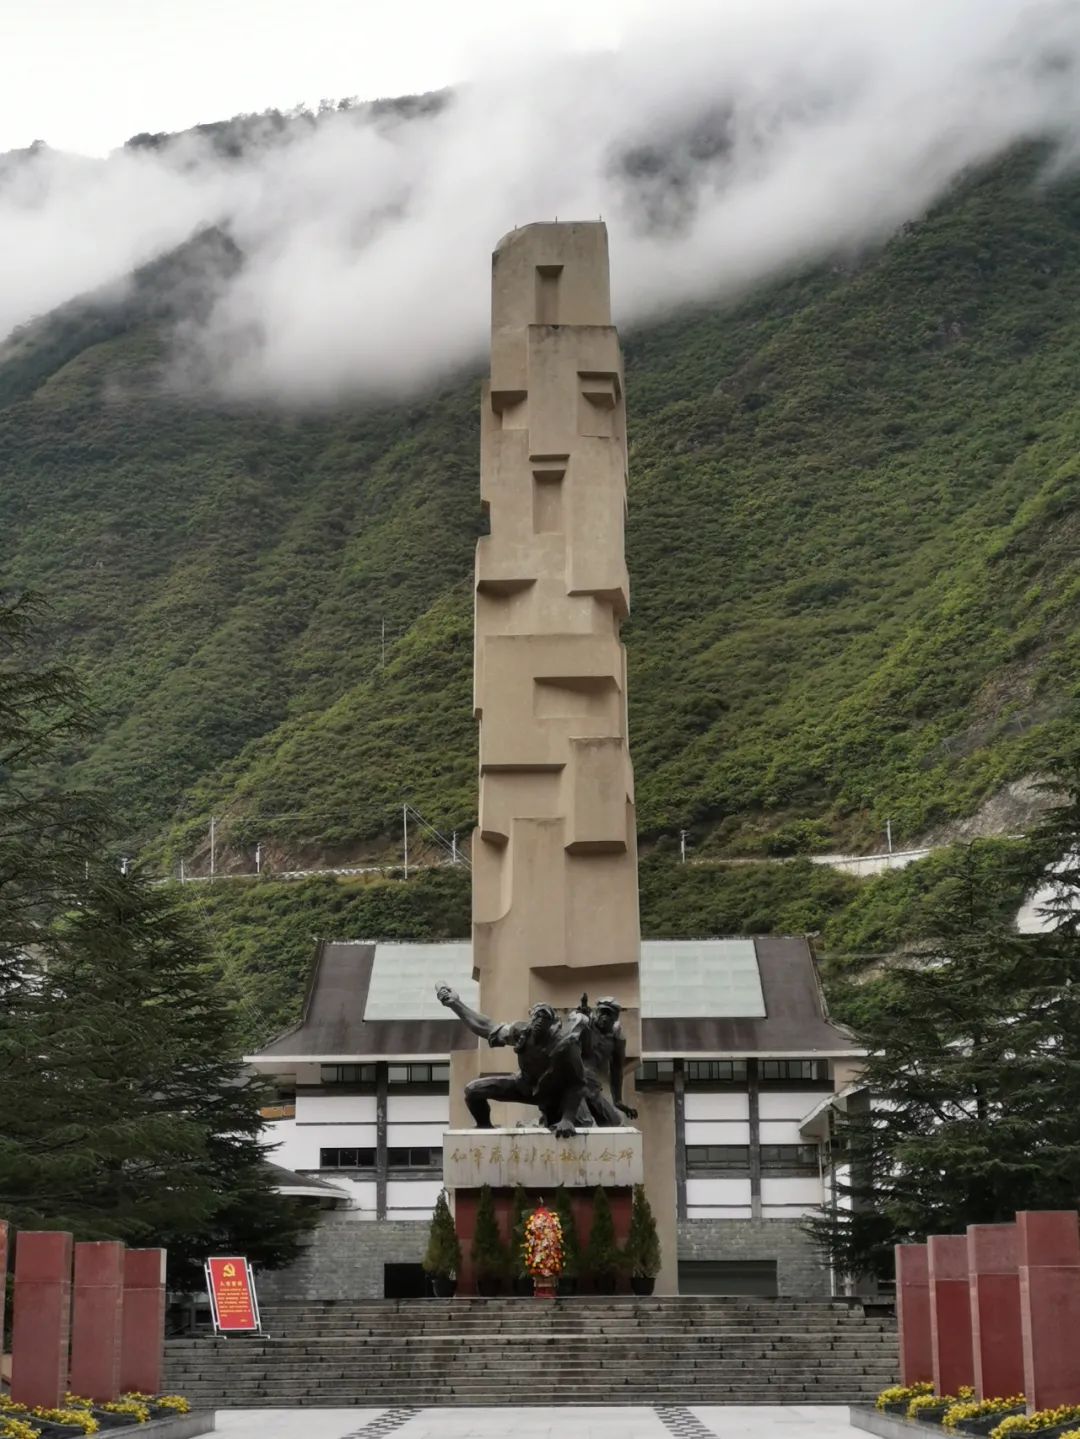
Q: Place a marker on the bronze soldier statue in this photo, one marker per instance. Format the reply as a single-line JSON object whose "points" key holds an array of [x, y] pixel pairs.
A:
{"points": [[604, 1054], [550, 1070], [562, 1064]]}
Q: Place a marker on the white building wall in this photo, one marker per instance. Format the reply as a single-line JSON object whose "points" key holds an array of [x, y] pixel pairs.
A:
{"points": [[335, 1109], [717, 1105], [784, 1104], [717, 1131], [790, 1198], [718, 1198]]}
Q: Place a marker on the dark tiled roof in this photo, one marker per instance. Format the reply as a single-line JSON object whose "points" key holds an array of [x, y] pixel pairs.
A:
{"points": [[795, 1022], [334, 1023]]}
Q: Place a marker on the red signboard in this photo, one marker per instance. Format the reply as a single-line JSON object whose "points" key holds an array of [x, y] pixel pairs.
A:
{"points": [[232, 1295]]}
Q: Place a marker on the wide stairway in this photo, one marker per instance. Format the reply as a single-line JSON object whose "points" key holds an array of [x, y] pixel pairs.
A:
{"points": [[528, 1351]]}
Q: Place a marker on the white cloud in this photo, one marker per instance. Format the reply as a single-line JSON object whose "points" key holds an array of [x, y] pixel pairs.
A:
{"points": [[367, 246]]}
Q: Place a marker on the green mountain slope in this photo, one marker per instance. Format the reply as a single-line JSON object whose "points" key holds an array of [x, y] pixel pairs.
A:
{"points": [[853, 549]]}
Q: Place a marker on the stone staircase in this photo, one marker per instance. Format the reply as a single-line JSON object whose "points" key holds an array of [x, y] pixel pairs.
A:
{"points": [[525, 1351]]}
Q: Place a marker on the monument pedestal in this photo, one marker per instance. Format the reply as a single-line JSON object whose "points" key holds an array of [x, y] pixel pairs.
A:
{"points": [[609, 1159]]}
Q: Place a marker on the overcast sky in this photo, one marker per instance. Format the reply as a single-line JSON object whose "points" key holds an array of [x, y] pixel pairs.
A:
{"points": [[724, 142], [86, 74]]}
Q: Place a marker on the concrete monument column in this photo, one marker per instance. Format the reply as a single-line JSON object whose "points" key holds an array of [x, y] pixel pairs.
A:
{"points": [[41, 1318], [913, 1314], [1048, 1255], [96, 1319], [142, 1348], [950, 1312], [995, 1310]]}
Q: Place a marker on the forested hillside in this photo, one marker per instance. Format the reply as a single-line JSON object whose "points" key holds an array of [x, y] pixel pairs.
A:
{"points": [[854, 539]]}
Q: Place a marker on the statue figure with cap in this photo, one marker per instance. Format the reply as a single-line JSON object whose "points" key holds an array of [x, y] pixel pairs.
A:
{"points": [[562, 1064]]}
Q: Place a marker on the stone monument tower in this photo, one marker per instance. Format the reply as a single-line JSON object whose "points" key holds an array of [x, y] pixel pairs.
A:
{"points": [[555, 896], [555, 903]]}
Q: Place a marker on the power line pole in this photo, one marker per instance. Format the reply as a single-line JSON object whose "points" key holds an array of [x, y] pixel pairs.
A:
{"points": [[453, 848], [258, 858], [213, 846], [888, 834], [682, 845], [405, 830], [383, 644]]}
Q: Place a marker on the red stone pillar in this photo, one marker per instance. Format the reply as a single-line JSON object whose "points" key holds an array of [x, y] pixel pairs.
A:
{"points": [[97, 1313], [913, 1314], [1048, 1255], [142, 1350], [950, 1312], [3, 1277], [41, 1318], [996, 1340]]}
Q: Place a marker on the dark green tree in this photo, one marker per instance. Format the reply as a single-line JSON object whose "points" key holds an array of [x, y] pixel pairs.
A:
{"points": [[127, 1113], [971, 1108], [642, 1253], [519, 1213], [442, 1257], [571, 1248], [602, 1254], [489, 1256], [48, 832]]}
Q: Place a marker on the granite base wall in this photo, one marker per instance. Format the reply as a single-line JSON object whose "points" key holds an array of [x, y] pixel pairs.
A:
{"points": [[800, 1273], [344, 1260]]}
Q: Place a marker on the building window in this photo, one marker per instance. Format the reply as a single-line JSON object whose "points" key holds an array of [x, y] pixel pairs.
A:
{"points": [[655, 1071], [347, 1074], [789, 1156], [726, 1157], [715, 1071], [413, 1158], [773, 1071], [401, 1074], [346, 1159]]}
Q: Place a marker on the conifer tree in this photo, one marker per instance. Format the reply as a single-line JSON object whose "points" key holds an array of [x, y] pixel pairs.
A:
{"points": [[571, 1248], [971, 1106], [518, 1215], [443, 1254], [488, 1251], [602, 1252], [643, 1243], [126, 1111]]}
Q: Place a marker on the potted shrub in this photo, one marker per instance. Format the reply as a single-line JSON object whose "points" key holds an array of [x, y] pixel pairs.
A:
{"points": [[571, 1270], [897, 1397], [520, 1278], [979, 1416], [642, 1253], [443, 1257], [1044, 1424], [932, 1408], [489, 1256], [602, 1257]]}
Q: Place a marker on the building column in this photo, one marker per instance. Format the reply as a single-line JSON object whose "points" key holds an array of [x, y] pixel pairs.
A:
{"points": [[41, 1318], [142, 1348], [96, 1320], [753, 1093], [679, 1091], [1048, 1254], [382, 1163]]}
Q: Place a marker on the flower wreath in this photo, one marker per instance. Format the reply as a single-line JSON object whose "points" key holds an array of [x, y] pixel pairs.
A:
{"points": [[543, 1244]]}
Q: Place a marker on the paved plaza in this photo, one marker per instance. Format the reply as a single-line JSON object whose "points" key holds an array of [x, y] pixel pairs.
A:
{"points": [[628, 1422]]}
